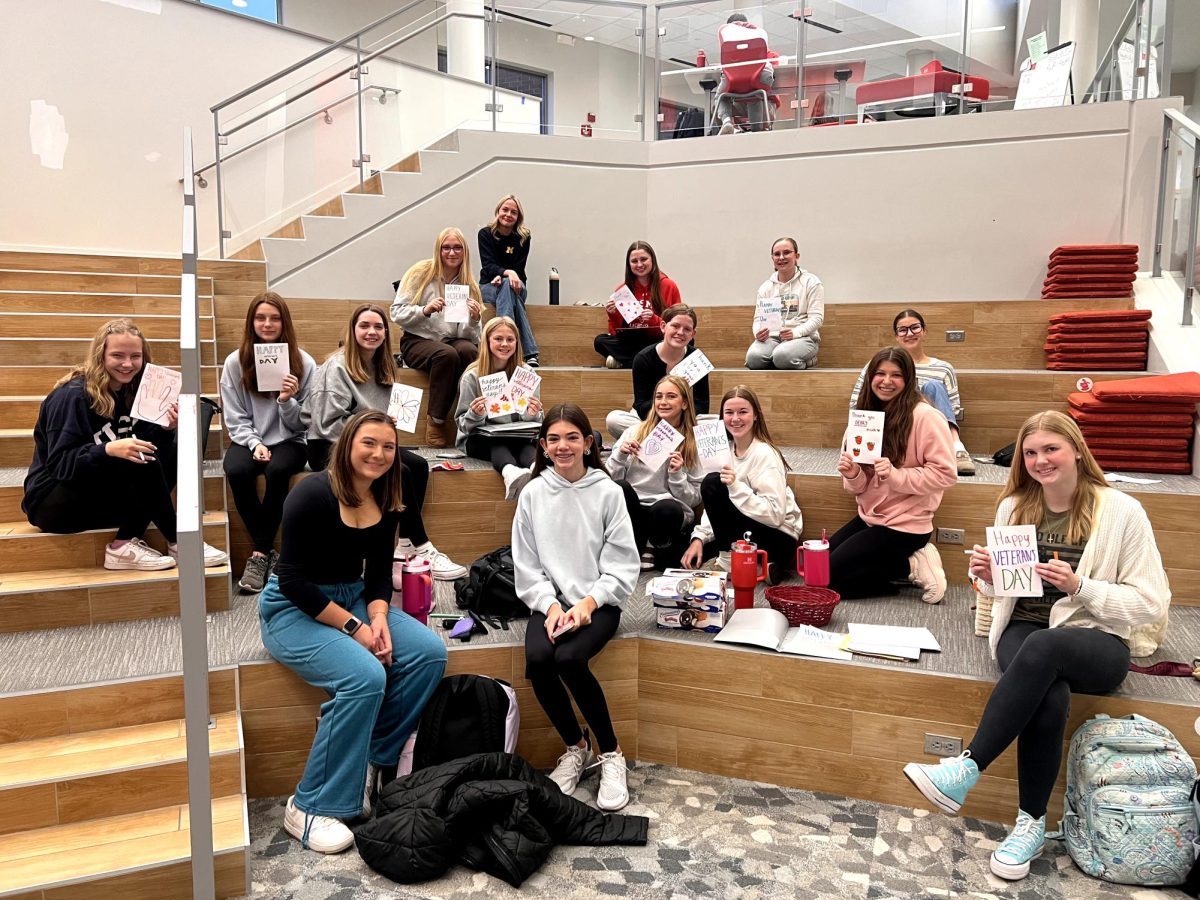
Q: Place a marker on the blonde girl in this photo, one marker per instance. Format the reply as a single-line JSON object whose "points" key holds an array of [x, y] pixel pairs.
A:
{"points": [[503, 253]]}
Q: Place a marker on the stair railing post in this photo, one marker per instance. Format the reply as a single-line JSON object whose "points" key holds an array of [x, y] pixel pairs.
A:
{"points": [[1189, 268], [1163, 184], [358, 74], [220, 190]]}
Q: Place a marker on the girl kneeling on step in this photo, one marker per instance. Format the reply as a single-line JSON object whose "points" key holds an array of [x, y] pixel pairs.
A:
{"points": [[360, 376], [1102, 578], [575, 561], [749, 495], [96, 467], [897, 496], [265, 430], [661, 501], [326, 614], [510, 456]]}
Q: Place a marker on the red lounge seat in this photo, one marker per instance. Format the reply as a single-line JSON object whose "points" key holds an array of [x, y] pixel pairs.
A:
{"points": [[1179, 387], [1101, 315], [1089, 402], [932, 79]]}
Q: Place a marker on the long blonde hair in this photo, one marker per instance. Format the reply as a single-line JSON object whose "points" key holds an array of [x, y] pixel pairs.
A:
{"points": [[759, 431], [96, 380], [483, 363], [383, 362], [687, 420], [421, 275], [1029, 505], [518, 226]]}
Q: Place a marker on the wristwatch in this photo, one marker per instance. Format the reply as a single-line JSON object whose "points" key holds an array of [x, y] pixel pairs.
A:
{"points": [[351, 625]]}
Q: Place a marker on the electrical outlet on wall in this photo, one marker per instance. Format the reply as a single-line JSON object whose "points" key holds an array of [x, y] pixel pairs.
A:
{"points": [[951, 536], [941, 745], [955, 337]]}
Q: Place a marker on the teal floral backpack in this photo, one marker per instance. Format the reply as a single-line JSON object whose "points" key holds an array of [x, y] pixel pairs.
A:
{"points": [[1130, 815]]}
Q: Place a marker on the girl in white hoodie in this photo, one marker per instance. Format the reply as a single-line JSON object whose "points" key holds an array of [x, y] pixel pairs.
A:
{"points": [[576, 563], [801, 297]]}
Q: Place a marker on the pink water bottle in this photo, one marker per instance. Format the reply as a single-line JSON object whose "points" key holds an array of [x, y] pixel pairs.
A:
{"points": [[812, 562], [415, 594]]}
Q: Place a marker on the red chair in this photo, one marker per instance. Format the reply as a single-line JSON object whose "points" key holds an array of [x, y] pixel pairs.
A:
{"points": [[935, 84], [744, 55]]}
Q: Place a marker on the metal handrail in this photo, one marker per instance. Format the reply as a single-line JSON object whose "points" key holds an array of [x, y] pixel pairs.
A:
{"points": [[1183, 121], [1174, 118], [1114, 44]]}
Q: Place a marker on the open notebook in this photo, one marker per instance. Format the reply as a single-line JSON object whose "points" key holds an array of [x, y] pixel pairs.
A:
{"points": [[768, 628]]}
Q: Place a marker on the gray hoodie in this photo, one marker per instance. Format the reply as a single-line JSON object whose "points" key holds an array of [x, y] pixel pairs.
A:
{"points": [[333, 397], [661, 484], [411, 317], [252, 418], [572, 540]]}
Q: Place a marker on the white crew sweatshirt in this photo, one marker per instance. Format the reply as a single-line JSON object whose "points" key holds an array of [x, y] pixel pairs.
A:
{"points": [[761, 492]]}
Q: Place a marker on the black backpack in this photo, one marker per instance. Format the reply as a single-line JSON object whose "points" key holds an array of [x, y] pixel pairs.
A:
{"points": [[1004, 456], [490, 588], [467, 714]]}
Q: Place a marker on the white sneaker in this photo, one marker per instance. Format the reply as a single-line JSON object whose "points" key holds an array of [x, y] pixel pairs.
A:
{"points": [[613, 793], [370, 789], [727, 127], [647, 561], [136, 554], [571, 766], [323, 834], [212, 556], [442, 566], [925, 571], [722, 562], [610, 362], [515, 478]]}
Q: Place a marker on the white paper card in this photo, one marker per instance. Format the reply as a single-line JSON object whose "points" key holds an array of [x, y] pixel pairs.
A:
{"points": [[270, 365], [805, 640], [921, 638], [712, 445], [504, 405], [405, 406], [658, 445], [157, 393], [456, 296], [693, 367], [524, 383], [492, 386], [768, 314], [1014, 551], [864, 436], [629, 306]]}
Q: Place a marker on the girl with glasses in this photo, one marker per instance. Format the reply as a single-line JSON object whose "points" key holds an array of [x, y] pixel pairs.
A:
{"points": [[802, 298]]}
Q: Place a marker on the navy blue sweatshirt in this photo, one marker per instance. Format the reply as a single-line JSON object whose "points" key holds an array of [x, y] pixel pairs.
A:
{"points": [[498, 252], [69, 437]]}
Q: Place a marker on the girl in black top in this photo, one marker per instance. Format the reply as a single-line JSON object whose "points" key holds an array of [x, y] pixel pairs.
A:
{"points": [[503, 252]]}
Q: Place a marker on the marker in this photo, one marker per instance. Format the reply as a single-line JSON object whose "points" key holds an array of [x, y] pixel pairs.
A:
{"points": [[141, 457], [1054, 553], [968, 552]]}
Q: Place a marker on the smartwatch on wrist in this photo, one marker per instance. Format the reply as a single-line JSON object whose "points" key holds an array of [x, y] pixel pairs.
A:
{"points": [[351, 625]]}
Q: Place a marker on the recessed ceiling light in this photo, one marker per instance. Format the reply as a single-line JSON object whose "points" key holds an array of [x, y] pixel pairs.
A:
{"points": [[588, 38]]}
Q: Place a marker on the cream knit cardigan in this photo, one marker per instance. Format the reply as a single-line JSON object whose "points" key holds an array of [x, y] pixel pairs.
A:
{"points": [[1125, 590]]}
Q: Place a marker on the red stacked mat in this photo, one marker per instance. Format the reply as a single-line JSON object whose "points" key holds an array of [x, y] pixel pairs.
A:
{"points": [[1082, 271], [1099, 339], [1140, 424]]}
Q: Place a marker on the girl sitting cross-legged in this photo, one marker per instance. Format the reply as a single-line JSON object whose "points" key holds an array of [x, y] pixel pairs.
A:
{"points": [[503, 253], [655, 291]]}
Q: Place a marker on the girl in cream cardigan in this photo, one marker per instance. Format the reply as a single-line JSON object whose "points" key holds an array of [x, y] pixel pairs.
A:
{"points": [[1103, 580]]}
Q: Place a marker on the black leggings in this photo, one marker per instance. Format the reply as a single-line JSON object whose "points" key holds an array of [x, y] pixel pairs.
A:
{"points": [[729, 524], [414, 479], [626, 343], [1032, 699], [502, 451], [660, 524], [551, 666], [865, 559], [262, 517], [117, 494]]}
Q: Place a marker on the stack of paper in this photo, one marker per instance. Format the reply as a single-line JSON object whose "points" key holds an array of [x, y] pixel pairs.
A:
{"points": [[891, 641]]}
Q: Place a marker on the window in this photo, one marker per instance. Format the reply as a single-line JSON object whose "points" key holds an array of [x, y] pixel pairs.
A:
{"points": [[512, 79]]}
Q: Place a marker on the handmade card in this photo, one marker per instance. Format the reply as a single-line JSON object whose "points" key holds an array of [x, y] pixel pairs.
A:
{"points": [[524, 383], [157, 393], [456, 296], [629, 306], [1014, 551], [712, 445], [492, 386], [864, 436], [693, 367], [658, 445], [405, 406], [768, 314], [270, 365]]}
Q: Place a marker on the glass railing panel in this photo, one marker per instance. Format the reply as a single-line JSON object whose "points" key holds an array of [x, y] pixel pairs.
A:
{"points": [[1180, 197]]}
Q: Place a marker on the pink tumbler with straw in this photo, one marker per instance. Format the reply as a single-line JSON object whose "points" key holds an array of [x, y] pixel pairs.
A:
{"points": [[812, 562]]}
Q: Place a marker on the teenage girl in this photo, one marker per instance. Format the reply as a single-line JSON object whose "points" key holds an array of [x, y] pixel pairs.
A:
{"points": [[889, 538], [1102, 576], [801, 297], [510, 456], [503, 252], [95, 467], [655, 291], [661, 502], [326, 615], [359, 376], [937, 381], [265, 431], [576, 563], [430, 343], [750, 495]]}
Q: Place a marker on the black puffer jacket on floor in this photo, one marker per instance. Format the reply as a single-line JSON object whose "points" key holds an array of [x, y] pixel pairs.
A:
{"points": [[492, 812]]}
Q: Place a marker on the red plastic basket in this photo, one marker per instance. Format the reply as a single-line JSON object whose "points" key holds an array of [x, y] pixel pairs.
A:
{"points": [[804, 605]]}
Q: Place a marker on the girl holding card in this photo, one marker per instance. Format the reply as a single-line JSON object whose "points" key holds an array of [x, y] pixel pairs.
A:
{"points": [[267, 436], [510, 456], [751, 494], [1104, 590], [360, 376], [434, 340], [897, 496], [661, 499], [650, 287], [326, 614], [503, 252], [800, 297], [575, 564], [96, 467]]}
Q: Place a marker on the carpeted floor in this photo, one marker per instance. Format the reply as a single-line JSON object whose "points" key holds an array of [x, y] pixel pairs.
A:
{"points": [[721, 838]]}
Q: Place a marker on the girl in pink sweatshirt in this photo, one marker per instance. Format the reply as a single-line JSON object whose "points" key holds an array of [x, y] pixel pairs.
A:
{"points": [[888, 540]]}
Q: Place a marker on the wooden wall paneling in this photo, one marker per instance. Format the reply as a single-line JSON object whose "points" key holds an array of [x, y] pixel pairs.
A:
{"points": [[23, 809]]}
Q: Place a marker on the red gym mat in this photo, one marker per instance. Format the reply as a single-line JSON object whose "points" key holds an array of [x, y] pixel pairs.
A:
{"points": [[1120, 292], [1092, 249], [1130, 432], [1086, 278], [1091, 418], [1178, 387], [1099, 329], [1100, 315], [1068, 348], [1114, 339], [1149, 454], [1121, 366], [1148, 466], [1136, 443], [1091, 268], [1088, 402]]}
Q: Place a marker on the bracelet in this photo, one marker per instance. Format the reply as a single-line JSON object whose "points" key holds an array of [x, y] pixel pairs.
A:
{"points": [[1075, 593]]}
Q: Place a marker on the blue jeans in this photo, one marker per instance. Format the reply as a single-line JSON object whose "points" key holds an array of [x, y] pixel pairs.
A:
{"points": [[935, 393], [372, 709], [512, 305]]}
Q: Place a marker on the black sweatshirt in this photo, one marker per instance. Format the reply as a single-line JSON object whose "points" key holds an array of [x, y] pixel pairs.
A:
{"points": [[499, 252], [319, 548], [649, 370]]}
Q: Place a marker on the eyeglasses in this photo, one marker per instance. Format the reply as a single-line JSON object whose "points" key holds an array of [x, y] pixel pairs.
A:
{"points": [[910, 329]]}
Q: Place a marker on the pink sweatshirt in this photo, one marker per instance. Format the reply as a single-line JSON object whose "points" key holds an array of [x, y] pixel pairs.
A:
{"points": [[913, 492]]}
